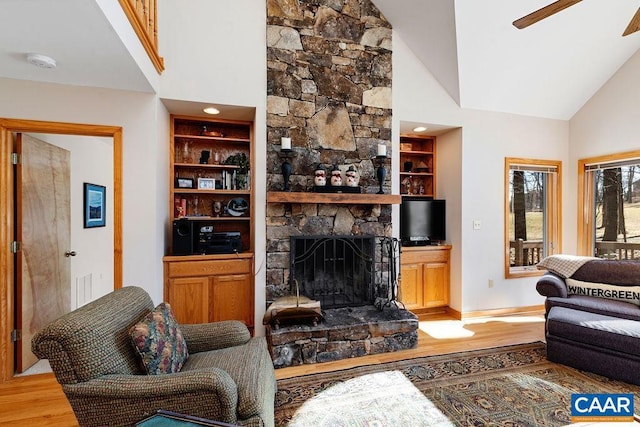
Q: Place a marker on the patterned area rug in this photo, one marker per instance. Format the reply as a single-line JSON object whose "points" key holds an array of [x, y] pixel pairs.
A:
{"points": [[505, 386]]}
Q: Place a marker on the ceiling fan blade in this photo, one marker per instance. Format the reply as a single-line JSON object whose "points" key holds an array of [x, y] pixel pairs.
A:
{"points": [[634, 25], [545, 12]]}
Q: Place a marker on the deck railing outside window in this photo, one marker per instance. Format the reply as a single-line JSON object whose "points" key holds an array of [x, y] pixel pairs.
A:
{"points": [[525, 253], [617, 250]]}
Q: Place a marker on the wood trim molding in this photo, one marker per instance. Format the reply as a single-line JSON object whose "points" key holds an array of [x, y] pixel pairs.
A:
{"points": [[7, 127], [534, 310], [585, 240], [554, 200], [6, 258], [335, 198]]}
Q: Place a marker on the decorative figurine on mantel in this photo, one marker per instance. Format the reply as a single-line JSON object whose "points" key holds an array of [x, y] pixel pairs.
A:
{"points": [[320, 176], [352, 177], [336, 176]]}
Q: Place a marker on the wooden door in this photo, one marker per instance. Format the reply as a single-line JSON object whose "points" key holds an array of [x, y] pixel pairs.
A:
{"points": [[232, 298], [436, 284], [43, 282], [411, 286], [189, 299]]}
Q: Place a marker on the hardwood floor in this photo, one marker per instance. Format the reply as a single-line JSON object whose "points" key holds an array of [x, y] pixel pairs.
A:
{"points": [[39, 401]]}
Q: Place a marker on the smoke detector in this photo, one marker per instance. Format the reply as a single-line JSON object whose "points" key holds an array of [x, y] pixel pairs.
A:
{"points": [[41, 61]]}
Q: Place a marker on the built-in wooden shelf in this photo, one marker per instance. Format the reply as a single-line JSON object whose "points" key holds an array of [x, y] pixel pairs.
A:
{"points": [[334, 198]]}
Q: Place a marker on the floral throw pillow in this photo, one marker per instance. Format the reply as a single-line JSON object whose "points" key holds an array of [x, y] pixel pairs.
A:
{"points": [[159, 341]]}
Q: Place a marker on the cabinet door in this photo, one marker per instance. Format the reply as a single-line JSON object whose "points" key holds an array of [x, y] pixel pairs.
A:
{"points": [[189, 297], [232, 298], [411, 286], [436, 284]]}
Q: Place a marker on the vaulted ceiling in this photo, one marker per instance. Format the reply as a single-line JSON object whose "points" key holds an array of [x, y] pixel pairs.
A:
{"points": [[549, 69]]}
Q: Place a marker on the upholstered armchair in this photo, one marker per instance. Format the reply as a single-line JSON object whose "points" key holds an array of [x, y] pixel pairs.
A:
{"points": [[227, 376]]}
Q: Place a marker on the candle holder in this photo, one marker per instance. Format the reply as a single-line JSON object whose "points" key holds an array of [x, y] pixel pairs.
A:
{"points": [[286, 166], [381, 172]]}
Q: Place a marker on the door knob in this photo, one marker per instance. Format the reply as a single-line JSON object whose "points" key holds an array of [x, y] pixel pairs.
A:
{"points": [[70, 253]]}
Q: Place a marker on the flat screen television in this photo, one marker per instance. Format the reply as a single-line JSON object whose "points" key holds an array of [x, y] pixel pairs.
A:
{"points": [[422, 221]]}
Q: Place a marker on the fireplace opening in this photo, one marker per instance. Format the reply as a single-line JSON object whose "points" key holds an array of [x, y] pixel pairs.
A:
{"points": [[338, 271]]}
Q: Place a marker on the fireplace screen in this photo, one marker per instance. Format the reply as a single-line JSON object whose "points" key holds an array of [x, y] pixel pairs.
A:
{"points": [[338, 271]]}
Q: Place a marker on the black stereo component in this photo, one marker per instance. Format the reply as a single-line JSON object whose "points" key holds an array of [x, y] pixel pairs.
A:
{"points": [[182, 237], [188, 236], [228, 242]]}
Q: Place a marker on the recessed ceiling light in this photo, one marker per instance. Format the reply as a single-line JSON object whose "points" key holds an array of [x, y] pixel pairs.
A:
{"points": [[211, 110], [419, 129], [42, 61]]}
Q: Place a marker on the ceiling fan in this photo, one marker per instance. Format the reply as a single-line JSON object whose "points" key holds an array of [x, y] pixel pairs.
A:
{"points": [[557, 6]]}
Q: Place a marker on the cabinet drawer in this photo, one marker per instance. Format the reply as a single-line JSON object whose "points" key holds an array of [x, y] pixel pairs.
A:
{"points": [[424, 256], [211, 267]]}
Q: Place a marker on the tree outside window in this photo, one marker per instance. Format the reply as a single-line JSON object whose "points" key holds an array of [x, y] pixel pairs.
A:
{"points": [[610, 206], [532, 214]]}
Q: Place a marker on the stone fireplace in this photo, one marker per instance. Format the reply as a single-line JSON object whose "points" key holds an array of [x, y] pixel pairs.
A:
{"points": [[329, 74], [329, 90]]}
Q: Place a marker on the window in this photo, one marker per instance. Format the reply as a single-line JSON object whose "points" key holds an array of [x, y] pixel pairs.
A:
{"points": [[609, 209], [532, 214]]}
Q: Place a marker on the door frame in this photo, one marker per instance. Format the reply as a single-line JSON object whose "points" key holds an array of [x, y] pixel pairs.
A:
{"points": [[7, 297]]}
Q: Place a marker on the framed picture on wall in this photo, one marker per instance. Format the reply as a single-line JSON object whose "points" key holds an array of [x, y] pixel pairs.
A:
{"points": [[94, 205]]}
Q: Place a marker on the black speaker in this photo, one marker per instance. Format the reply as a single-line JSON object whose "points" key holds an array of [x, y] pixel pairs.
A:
{"points": [[183, 237]]}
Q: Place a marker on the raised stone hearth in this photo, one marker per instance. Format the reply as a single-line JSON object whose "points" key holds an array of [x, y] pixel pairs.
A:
{"points": [[344, 333]]}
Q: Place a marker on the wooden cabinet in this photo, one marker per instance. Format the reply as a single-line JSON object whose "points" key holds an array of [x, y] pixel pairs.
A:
{"points": [[417, 165], [210, 171], [210, 288], [424, 277]]}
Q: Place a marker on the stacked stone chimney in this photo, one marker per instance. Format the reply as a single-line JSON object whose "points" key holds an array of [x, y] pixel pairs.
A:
{"points": [[329, 90]]}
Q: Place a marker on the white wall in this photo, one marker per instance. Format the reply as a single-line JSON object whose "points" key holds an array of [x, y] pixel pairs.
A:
{"points": [[487, 139], [608, 123], [471, 175], [449, 187], [215, 51], [142, 161], [163, 228]]}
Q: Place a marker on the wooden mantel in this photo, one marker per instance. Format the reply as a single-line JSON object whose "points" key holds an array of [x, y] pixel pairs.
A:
{"points": [[334, 198]]}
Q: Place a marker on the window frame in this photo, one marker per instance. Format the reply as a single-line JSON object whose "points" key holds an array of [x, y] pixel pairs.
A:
{"points": [[553, 204], [586, 199]]}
